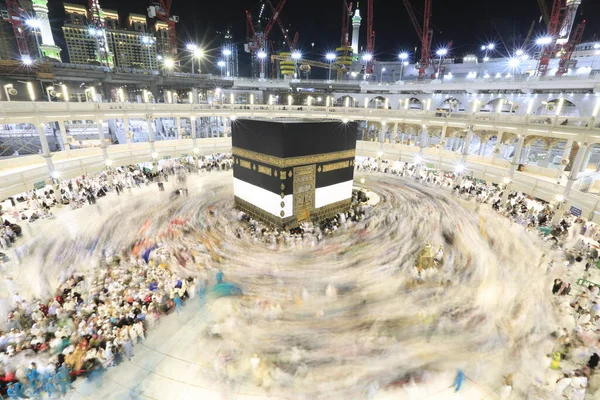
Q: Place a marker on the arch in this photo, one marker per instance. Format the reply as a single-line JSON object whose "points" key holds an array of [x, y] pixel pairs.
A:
{"points": [[341, 101], [501, 104], [451, 104], [551, 107], [379, 102], [415, 104]]}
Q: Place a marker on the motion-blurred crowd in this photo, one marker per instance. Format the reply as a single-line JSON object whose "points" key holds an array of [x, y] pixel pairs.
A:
{"points": [[93, 323]]}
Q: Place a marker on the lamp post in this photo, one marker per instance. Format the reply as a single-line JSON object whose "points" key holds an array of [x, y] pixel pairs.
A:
{"points": [[36, 25], [296, 56], [486, 48], [367, 58], [262, 55], [381, 75], [227, 53], [221, 64], [403, 57], [331, 58], [196, 53], [441, 54], [168, 64], [148, 41]]}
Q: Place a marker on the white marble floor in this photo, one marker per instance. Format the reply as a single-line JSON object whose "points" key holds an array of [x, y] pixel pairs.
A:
{"points": [[165, 367]]}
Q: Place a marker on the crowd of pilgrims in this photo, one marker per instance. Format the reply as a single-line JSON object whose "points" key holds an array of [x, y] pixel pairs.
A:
{"points": [[93, 323], [89, 324]]}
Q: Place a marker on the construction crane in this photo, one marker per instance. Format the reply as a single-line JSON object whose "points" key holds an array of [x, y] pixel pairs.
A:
{"points": [[425, 34], [162, 10], [14, 13], [98, 30], [256, 39], [292, 44], [569, 48], [370, 31], [552, 34], [343, 60], [545, 12]]}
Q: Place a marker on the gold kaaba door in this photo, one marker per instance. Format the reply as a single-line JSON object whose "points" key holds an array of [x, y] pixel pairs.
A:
{"points": [[304, 192]]}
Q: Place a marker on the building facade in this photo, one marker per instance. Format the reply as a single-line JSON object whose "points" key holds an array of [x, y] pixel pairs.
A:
{"points": [[129, 46]]}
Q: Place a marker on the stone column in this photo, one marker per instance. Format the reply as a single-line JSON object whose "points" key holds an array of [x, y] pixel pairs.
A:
{"points": [[497, 147], [41, 131], [576, 169], [513, 166], [466, 145], [128, 132], [63, 135], [102, 139], [442, 138], [424, 139], [178, 130], [194, 139], [586, 159], [516, 156], [150, 125], [381, 136], [395, 132], [565, 156]]}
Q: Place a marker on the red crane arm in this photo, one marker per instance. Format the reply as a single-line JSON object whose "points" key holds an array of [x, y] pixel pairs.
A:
{"points": [[274, 18], [370, 32], [295, 41], [250, 33], [554, 24], [414, 20], [346, 14], [563, 64], [18, 28], [291, 44]]}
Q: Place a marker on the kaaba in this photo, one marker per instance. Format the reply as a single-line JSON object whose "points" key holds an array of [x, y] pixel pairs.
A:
{"points": [[290, 171]]}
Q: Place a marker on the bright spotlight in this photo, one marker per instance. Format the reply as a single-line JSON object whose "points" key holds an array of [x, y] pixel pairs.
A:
{"points": [[34, 23], [519, 53], [491, 46], [544, 40], [362, 181], [559, 198], [221, 63], [233, 117], [380, 154], [262, 55], [442, 52], [226, 52], [460, 168], [514, 62], [154, 155], [345, 120], [55, 174], [506, 180], [27, 60], [403, 56], [367, 57], [418, 159], [330, 56], [296, 55], [169, 63], [191, 47]]}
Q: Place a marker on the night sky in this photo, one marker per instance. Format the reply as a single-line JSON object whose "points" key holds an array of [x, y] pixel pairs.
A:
{"points": [[467, 23]]}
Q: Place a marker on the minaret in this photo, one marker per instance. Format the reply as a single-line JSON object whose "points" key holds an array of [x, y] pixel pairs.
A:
{"points": [[47, 46], [356, 20]]}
